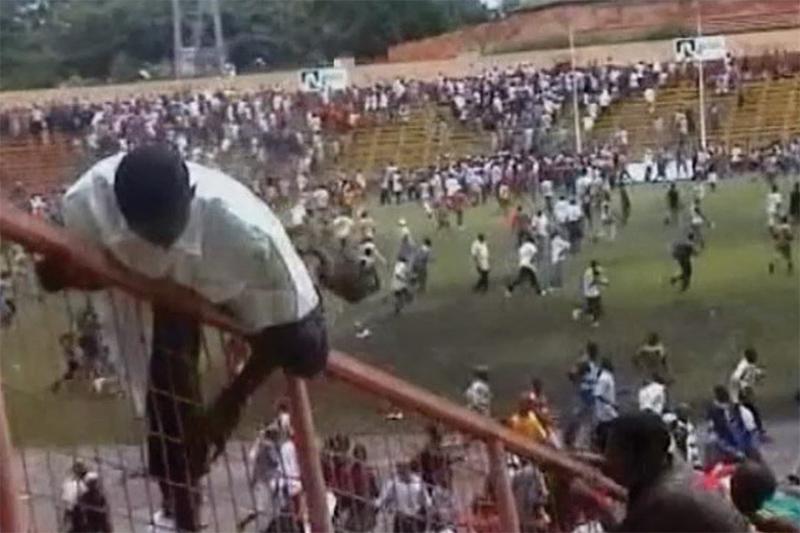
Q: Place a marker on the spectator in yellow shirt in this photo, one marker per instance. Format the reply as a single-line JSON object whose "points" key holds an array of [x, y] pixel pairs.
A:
{"points": [[525, 422]]}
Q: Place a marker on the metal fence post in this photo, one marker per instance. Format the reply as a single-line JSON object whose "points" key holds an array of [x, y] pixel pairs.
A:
{"points": [[10, 517], [506, 507], [308, 456]]}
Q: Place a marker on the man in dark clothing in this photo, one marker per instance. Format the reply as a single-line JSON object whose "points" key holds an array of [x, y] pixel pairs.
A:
{"points": [[673, 205], [662, 495], [794, 204], [682, 252], [91, 514], [625, 203]]}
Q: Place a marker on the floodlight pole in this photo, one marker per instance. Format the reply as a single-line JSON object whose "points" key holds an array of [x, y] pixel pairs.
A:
{"points": [[575, 108], [701, 78], [177, 40]]}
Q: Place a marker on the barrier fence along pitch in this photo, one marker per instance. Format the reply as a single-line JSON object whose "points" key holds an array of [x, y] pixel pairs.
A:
{"points": [[238, 502]]}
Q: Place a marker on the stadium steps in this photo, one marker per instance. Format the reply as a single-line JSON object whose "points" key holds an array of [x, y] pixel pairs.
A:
{"points": [[429, 133], [37, 166], [769, 111]]}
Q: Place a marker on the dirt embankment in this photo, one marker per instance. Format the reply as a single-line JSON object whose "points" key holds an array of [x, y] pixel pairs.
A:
{"points": [[603, 22]]}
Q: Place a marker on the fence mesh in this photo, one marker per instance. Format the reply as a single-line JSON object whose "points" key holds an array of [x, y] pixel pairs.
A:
{"points": [[83, 443]]}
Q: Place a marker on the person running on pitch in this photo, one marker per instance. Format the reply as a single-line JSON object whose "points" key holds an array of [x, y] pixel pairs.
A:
{"points": [[401, 279], [794, 204], [625, 203], [673, 205], [682, 251], [697, 221], [527, 267], [419, 265], [608, 221], [782, 237], [591, 286], [479, 251]]}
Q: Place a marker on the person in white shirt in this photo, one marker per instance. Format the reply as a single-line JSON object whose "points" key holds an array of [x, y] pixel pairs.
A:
{"points": [[197, 227], [650, 98], [478, 394], [547, 192], [73, 487], [608, 221], [479, 251], [593, 279], [743, 382], [605, 398], [342, 226], [527, 267], [559, 247], [774, 203], [560, 210], [542, 225], [401, 278], [406, 495], [574, 224], [275, 475], [653, 395]]}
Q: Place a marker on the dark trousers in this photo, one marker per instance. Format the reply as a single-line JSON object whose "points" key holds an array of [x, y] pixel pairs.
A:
{"points": [[180, 429], [408, 524], [684, 277], [402, 297], [174, 412], [482, 285], [525, 274], [750, 404], [594, 307]]}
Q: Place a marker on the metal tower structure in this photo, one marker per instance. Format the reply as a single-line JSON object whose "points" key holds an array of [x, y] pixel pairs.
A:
{"points": [[196, 16]]}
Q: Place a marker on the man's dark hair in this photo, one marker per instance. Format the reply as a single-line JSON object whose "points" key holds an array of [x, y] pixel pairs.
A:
{"points": [[751, 355], [721, 394], [644, 435], [607, 364], [153, 192], [751, 485]]}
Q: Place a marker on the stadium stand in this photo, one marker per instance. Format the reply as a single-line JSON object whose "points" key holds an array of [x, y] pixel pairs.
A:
{"points": [[762, 112], [429, 133]]}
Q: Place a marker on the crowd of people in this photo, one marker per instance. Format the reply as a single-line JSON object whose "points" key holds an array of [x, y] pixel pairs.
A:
{"points": [[551, 203]]}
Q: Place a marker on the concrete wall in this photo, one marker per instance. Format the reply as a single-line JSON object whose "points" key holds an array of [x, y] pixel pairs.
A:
{"points": [[469, 63], [602, 21]]}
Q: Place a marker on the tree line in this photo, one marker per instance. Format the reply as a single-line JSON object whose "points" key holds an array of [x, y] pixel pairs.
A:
{"points": [[47, 43]]}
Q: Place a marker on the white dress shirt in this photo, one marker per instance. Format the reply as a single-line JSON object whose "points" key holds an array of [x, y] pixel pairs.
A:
{"points": [[559, 247], [407, 498], [560, 211], [480, 254], [233, 250], [653, 397], [605, 393], [400, 276], [527, 255]]}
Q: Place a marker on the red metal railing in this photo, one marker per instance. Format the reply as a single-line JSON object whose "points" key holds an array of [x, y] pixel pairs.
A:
{"points": [[40, 237]]}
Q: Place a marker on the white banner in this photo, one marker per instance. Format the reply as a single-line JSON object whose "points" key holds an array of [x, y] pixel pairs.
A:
{"points": [[700, 48], [322, 79]]}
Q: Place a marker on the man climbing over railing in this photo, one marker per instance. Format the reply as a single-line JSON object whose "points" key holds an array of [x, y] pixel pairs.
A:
{"points": [[200, 228]]}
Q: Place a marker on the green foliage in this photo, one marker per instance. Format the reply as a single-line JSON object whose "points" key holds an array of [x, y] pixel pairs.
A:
{"points": [[43, 42]]}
